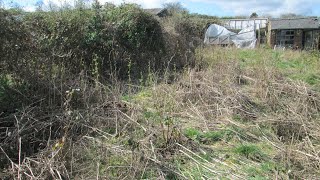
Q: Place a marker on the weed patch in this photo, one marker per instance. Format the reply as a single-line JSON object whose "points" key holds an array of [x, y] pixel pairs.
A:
{"points": [[249, 151], [208, 137]]}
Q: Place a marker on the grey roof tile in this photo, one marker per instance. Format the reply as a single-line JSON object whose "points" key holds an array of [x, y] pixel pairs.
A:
{"points": [[298, 23]]}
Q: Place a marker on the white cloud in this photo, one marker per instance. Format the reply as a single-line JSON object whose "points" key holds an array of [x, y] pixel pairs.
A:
{"points": [[29, 8], [143, 3], [232, 7], [272, 7]]}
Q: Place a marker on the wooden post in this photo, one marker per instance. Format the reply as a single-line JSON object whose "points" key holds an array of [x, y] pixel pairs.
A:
{"points": [[318, 40], [255, 27], [259, 36]]}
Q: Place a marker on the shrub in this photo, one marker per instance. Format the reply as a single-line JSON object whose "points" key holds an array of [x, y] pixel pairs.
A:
{"points": [[8, 98], [59, 61], [136, 30]]}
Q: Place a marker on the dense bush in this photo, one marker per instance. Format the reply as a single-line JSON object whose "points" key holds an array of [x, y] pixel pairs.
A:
{"points": [[16, 43], [136, 29], [46, 55]]}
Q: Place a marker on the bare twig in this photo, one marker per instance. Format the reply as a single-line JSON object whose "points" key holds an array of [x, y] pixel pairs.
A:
{"points": [[143, 128], [19, 166]]}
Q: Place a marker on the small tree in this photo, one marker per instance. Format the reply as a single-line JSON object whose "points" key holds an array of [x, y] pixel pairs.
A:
{"points": [[254, 15], [175, 8], [39, 5]]}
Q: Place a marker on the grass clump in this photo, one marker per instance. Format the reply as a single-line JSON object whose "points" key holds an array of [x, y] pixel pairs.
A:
{"points": [[214, 136], [249, 151], [208, 137], [310, 78], [192, 133], [261, 172]]}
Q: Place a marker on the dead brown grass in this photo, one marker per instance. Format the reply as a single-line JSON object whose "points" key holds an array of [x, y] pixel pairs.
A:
{"points": [[140, 134]]}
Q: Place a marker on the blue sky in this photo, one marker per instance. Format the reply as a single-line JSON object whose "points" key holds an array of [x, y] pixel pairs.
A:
{"points": [[210, 7]]}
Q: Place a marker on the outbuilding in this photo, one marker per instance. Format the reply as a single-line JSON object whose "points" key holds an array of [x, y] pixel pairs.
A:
{"points": [[297, 33]]}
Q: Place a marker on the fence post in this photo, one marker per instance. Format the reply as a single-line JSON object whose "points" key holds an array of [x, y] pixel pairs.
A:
{"points": [[259, 36]]}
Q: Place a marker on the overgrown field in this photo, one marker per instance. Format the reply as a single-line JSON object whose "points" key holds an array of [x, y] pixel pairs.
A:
{"points": [[103, 103]]}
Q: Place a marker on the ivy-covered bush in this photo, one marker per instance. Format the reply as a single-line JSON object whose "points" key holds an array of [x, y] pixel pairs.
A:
{"points": [[45, 55], [135, 29], [16, 42]]}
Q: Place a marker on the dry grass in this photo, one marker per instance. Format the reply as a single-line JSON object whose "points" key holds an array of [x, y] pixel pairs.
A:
{"points": [[237, 115]]}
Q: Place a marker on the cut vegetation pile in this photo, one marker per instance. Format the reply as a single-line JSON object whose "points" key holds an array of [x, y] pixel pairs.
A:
{"points": [[191, 114]]}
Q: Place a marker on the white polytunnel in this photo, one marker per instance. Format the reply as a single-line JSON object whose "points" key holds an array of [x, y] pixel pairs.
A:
{"points": [[219, 35]]}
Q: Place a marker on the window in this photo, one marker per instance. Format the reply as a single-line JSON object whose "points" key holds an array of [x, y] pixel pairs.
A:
{"points": [[285, 38]]}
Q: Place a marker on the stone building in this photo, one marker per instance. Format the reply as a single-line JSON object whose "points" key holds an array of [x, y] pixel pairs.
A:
{"points": [[298, 33]]}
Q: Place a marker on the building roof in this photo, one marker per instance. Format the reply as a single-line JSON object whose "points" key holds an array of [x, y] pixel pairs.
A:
{"points": [[298, 23], [155, 11]]}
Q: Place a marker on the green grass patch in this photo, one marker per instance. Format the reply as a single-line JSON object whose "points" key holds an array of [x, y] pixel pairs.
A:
{"points": [[247, 55], [208, 137], [213, 136], [255, 173], [192, 133], [290, 64], [312, 79], [263, 171], [250, 151]]}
